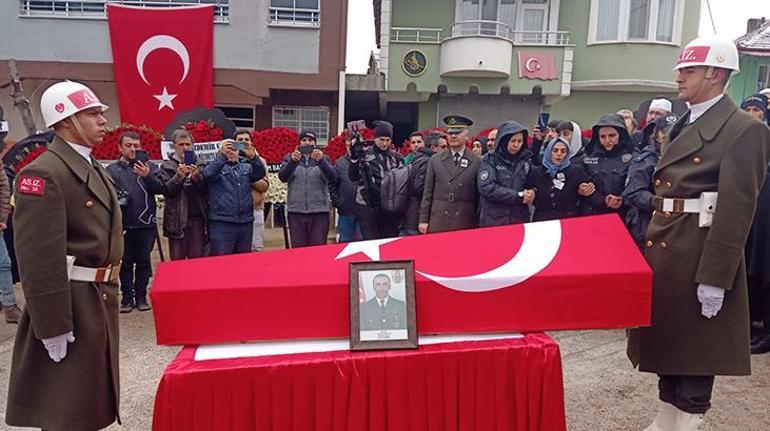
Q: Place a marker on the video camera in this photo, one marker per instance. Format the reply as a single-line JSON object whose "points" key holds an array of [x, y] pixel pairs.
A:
{"points": [[358, 145]]}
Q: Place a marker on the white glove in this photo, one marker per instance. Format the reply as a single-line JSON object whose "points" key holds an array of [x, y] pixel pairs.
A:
{"points": [[57, 346], [711, 299]]}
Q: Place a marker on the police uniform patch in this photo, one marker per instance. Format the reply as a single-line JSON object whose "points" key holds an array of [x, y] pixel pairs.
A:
{"points": [[484, 175], [28, 185], [626, 158]]}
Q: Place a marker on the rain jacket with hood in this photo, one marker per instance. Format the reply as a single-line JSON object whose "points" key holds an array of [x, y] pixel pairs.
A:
{"points": [[501, 178], [608, 169]]}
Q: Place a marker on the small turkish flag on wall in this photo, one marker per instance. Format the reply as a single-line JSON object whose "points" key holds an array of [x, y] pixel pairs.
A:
{"points": [[163, 61], [537, 66]]}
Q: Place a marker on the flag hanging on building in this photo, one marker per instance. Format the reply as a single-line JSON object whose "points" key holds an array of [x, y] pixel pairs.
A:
{"points": [[537, 66], [163, 61]]}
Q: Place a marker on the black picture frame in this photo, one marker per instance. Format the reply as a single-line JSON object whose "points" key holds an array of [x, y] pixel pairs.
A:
{"points": [[388, 324]]}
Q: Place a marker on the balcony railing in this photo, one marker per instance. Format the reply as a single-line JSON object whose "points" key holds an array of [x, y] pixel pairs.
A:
{"points": [[502, 30], [97, 9], [482, 28], [415, 35]]}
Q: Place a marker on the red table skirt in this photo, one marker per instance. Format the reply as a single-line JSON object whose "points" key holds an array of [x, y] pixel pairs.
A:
{"points": [[507, 384]]}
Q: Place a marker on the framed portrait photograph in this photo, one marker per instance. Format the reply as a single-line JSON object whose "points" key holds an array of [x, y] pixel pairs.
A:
{"points": [[382, 309]]}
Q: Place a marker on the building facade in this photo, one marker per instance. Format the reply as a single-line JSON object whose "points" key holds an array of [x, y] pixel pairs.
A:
{"points": [[512, 59], [754, 54], [276, 62]]}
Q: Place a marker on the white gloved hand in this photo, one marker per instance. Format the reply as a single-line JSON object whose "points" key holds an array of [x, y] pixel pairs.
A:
{"points": [[711, 299], [57, 346]]}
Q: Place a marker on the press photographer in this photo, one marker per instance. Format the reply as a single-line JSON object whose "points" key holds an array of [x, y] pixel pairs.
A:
{"points": [[137, 183], [368, 166]]}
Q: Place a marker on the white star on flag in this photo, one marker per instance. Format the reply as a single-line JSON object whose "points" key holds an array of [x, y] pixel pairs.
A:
{"points": [[165, 99], [370, 248]]}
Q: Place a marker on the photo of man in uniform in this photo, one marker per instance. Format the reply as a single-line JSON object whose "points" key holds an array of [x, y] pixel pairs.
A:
{"points": [[383, 312]]}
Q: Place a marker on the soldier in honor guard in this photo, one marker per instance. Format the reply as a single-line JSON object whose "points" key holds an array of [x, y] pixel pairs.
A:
{"points": [[68, 231], [450, 199], [706, 185]]}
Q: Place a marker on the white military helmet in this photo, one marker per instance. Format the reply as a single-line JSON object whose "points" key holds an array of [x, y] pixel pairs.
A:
{"points": [[65, 99], [709, 51]]}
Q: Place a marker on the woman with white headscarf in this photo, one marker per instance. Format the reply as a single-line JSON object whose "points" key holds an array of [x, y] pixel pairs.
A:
{"points": [[570, 132]]}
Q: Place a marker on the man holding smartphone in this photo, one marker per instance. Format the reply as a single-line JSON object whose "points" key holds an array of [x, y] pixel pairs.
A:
{"points": [[137, 183], [231, 208], [308, 172]]}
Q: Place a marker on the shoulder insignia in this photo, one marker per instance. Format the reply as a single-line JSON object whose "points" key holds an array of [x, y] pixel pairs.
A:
{"points": [[484, 175], [626, 158], [29, 185]]}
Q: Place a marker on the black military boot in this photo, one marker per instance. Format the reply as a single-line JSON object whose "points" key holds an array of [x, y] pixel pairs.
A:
{"points": [[762, 345]]}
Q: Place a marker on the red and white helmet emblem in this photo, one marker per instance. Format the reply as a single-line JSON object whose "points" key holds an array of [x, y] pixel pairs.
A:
{"points": [[59, 107]]}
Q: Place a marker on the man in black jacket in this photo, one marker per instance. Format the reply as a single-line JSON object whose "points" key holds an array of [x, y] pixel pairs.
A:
{"points": [[368, 169], [343, 197], [137, 183]]}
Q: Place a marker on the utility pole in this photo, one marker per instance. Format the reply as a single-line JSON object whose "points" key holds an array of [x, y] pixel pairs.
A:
{"points": [[19, 101]]}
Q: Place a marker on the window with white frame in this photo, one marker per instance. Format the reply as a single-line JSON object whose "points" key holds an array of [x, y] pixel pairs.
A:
{"points": [[295, 12], [636, 21], [763, 76], [315, 118], [526, 15], [96, 9], [242, 116]]}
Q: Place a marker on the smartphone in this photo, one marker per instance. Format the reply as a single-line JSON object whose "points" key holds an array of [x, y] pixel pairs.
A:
{"points": [[542, 121], [306, 149], [141, 155], [189, 157], [239, 146]]}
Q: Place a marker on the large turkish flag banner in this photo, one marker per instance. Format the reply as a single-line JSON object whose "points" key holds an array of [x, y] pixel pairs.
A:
{"points": [[163, 61]]}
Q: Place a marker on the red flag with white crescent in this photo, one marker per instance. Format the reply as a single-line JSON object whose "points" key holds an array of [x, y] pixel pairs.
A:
{"points": [[535, 65], [163, 61], [580, 273]]}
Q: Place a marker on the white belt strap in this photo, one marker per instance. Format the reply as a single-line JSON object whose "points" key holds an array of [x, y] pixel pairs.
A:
{"points": [[91, 275], [690, 205]]}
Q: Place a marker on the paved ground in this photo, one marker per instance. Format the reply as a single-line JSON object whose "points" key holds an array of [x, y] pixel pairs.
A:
{"points": [[602, 392]]}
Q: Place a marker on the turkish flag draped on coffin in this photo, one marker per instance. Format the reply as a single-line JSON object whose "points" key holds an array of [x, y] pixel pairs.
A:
{"points": [[580, 273], [163, 61]]}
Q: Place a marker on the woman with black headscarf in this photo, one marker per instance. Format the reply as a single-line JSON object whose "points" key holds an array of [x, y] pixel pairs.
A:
{"points": [[607, 162], [502, 176], [559, 186]]}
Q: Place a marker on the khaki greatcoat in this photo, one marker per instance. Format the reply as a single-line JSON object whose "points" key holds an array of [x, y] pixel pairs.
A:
{"points": [[450, 198], [78, 215], [727, 151]]}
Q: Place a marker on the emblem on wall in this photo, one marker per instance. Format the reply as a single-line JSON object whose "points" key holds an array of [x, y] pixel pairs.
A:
{"points": [[414, 63]]}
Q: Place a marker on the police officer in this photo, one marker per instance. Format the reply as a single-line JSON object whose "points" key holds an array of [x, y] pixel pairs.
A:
{"points": [[695, 241], [450, 198], [757, 251], [639, 193], [64, 374], [607, 165], [502, 176]]}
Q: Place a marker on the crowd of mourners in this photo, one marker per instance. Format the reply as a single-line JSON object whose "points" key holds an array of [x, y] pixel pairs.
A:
{"points": [[448, 181]]}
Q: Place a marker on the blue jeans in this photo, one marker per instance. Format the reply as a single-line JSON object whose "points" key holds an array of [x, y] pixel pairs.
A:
{"points": [[348, 228], [6, 279], [230, 238]]}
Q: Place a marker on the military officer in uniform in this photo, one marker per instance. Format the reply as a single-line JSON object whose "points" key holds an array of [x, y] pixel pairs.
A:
{"points": [[383, 312], [450, 199], [695, 241], [68, 232]]}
